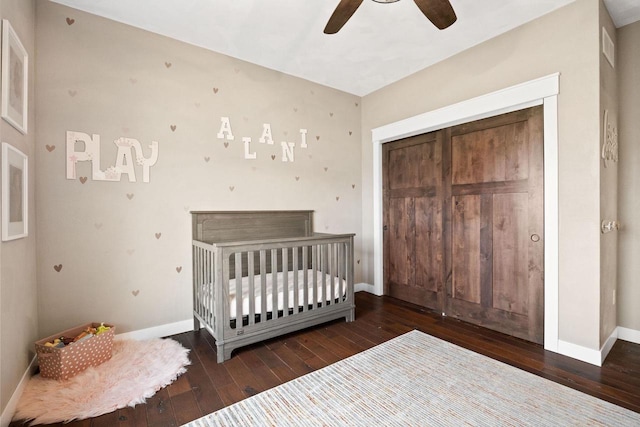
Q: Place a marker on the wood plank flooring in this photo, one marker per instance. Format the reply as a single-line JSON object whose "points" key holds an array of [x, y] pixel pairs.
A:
{"points": [[208, 386]]}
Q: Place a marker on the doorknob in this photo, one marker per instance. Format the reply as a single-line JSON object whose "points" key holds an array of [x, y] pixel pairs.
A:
{"points": [[535, 238]]}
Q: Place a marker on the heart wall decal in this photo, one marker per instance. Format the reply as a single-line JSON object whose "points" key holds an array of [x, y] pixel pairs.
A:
{"points": [[135, 293], [57, 267], [158, 235], [179, 269], [70, 21], [50, 148]]}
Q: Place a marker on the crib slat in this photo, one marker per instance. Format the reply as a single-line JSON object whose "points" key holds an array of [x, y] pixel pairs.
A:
{"points": [[305, 278], [285, 282], [296, 299], [341, 274], [263, 285], [210, 278], [274, 284], [206, 288], [314, 266], [205, 296], [239, 314], [332, 268], [323, 268], [252, 289]]}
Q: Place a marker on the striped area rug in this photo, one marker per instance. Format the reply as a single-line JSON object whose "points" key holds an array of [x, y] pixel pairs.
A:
{"points": [[418, 380]]}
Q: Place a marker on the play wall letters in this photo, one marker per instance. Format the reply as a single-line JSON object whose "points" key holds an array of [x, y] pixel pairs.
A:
{"points": [[84, 148]]}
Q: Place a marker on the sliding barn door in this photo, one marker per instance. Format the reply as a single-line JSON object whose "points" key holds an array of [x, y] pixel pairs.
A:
{"points": [[464, 222], [413, 195]]}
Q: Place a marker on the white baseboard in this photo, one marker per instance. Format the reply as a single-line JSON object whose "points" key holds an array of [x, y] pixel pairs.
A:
{"points": [[589, 355], [158, 331], [366, 287], [579, 352], [630, 335], [10, 409], [608, 344]]}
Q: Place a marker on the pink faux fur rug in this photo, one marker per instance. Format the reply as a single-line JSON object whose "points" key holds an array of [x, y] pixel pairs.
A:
{"points": [[134, 373]]}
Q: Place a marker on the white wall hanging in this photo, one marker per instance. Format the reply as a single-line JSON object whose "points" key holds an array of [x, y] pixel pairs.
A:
{"points": [[609, 141], [15, 79], [84, 148], [15, 193]]}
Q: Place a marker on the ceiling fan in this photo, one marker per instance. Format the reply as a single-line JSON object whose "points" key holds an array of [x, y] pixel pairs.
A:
{"points": [[439, 12]]}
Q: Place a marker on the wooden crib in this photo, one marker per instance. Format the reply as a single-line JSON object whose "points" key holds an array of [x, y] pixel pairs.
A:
{"points": [[306, 278]]}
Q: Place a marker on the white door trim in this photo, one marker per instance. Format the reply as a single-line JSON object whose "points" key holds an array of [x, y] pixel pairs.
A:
{"points": [[543, 91]]}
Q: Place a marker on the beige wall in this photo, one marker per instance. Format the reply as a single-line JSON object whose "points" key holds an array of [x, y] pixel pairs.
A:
{"points": [[564, 41], [100, 77], [629, 196], [18, 293], [608, 186]]}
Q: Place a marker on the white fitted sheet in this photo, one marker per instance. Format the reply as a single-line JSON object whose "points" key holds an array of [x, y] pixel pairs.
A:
{"points": [[207, 288]]}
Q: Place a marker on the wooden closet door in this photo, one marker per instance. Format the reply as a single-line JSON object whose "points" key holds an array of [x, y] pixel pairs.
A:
{"points": [[413, 203], [494, 256]]}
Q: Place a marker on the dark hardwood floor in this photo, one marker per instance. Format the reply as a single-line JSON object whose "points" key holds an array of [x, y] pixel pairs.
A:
{"points": [[208, 386]]}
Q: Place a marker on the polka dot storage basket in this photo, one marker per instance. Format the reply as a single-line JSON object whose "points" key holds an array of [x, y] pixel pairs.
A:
{"points": [[65, 362]]}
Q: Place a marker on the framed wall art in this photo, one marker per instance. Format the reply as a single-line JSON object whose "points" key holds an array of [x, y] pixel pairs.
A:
{"points": [[15, 193], [15, 78]]}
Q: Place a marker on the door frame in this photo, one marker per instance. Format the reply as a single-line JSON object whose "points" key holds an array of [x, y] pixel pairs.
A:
{"points": [[542, 91]]}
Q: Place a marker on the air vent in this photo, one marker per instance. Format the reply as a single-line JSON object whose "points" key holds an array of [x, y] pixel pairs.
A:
{"points": [[608, 48]]}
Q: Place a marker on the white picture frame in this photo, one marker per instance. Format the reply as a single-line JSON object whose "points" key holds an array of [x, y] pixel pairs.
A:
{"points": [[15, 79], [15, 193]]}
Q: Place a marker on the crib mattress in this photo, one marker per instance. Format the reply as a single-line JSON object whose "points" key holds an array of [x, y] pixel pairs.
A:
{"points": [[337, 283]]}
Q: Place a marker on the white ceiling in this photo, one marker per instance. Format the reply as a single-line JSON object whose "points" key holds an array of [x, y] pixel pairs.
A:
{"points": [[381, 43], [623, 12]]}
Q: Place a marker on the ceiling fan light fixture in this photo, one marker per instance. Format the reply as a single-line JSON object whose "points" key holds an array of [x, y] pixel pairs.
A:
{"points": [[439, 12]]}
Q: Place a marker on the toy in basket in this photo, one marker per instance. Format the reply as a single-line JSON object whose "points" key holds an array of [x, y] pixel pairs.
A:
{"points": [[63, 355]]}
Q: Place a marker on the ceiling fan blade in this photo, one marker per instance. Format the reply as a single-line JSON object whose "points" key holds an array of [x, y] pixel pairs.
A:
{"points": [[439, 12], [341, 15]]}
